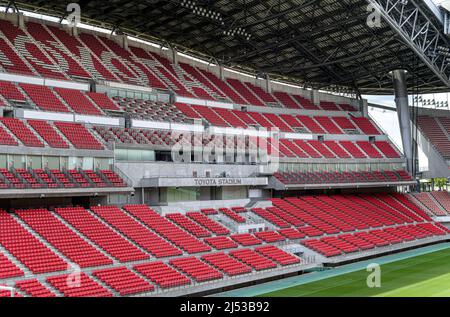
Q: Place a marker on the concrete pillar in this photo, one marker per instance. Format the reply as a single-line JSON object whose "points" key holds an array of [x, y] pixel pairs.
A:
{"points": [[315, 97], [21, 21], [268, 84], [122, 40], [221, 73], [173, 56], [73, 31], [404, 120], [364, 107]]}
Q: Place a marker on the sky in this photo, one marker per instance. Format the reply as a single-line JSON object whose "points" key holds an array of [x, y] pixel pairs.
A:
{"points": [[388, 122]]}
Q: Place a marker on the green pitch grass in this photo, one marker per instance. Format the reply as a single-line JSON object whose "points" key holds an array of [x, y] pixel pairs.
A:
{"points": [[426, 275]]}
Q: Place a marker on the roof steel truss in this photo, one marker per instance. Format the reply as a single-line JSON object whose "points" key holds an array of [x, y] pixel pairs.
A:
{"points": [[418, 32]]}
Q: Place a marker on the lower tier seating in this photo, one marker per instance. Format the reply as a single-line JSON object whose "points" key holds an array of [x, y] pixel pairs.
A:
{"points": [[78, 286], [430, 204], [350, 243], [116, 249], [443, 199], [123, 281]]}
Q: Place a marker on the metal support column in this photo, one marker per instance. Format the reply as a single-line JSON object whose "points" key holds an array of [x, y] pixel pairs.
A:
{"points": [[404, 118]]}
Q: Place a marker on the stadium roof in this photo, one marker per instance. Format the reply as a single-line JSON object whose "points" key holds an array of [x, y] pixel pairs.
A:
{"points": [[315, 43]]}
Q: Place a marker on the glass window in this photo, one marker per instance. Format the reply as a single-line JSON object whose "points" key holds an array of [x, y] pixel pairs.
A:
{"points": [[52, 162], [35, 162], [87, 163], [183, 194], [3, 161], [73, 163], [102, 163], [17, 161]]}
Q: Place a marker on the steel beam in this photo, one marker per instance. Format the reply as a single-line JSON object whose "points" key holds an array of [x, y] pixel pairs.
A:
{"points": [[404, 119], [416, 29]]}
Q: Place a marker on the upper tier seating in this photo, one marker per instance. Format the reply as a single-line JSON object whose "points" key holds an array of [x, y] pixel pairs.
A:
{"points": [[73, 44], [369, 149], [22, 132], [11, 60], [328, 124], [387, 149], [113, 64], [11, 92], [48, 133], [79, 136], [366, 126], [103, 101], [167, 72], [347, 107], [29, 51], [286, 100], [312, 126], [44, 98], [243, 91], [435, 134], [55, 50], [6, 138], [188, 111], [210, 115], [223, 86], [266, 97], [49, 51], [329, 106], [194, 72], [78, 101], [305, 103], [345, 124]]}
